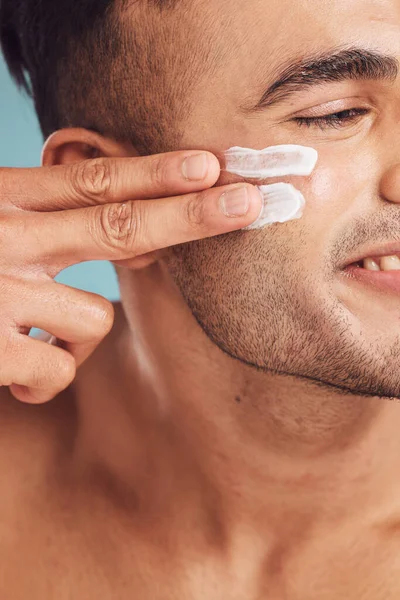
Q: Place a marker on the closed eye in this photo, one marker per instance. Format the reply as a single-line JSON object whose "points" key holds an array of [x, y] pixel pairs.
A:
{"points": [[334, 120]]}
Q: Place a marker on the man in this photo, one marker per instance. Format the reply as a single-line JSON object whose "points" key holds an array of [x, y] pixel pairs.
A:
{"points": [[236, 433]]}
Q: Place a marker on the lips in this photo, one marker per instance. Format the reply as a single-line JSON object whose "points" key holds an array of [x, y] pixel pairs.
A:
{"points": [[379, 268]]}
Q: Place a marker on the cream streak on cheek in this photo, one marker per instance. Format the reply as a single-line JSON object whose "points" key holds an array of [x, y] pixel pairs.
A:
{"points": [[282, 201]]}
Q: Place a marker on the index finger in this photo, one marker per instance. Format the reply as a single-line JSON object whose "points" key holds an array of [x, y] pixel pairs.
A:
{"points": [[108, 180]]}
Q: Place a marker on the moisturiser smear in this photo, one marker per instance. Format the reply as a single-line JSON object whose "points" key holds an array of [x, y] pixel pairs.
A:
{"points": [[275, 161], [282, 201]]}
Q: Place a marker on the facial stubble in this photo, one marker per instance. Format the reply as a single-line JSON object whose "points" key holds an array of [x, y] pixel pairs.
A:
{"points": [[254, 297]]}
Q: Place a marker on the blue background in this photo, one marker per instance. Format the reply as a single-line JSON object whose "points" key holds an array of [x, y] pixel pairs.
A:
{"points": [[20, 146]]}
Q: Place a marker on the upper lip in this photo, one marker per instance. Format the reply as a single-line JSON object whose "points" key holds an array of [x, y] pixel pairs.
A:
{"points": [[388, 249]]}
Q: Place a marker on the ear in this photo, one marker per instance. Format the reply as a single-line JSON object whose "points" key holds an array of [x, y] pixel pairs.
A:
{"points": [[72, 145]]}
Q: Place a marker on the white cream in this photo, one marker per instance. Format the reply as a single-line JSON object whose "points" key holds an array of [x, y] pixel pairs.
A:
{"points": [[275, 161], [282, 201]]}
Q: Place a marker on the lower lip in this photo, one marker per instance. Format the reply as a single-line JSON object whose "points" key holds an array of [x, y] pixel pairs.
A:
{"points": [[387, 281]]}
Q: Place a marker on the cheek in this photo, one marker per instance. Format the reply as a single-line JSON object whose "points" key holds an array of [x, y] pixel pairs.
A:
{"points": [[321, 188], [324, 194], [342, 187]]}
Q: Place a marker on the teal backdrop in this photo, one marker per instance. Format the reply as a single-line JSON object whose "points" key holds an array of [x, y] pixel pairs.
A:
{"points": [[20, 146]]}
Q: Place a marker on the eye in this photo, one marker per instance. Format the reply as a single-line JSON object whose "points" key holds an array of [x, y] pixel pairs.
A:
{"points": [[334, 120]]}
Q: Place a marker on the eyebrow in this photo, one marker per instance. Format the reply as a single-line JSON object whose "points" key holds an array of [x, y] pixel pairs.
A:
{"points": [[350, 64]]}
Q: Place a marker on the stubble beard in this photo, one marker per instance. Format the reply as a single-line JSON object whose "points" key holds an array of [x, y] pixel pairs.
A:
{"points": [[260, 307]]}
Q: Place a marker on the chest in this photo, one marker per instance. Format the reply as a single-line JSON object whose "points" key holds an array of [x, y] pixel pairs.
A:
{"points": [[39, 560]]}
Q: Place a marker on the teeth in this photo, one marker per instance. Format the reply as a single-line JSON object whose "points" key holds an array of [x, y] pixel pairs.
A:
{"points": [[386, 263], [371, 265], [390, 263]]}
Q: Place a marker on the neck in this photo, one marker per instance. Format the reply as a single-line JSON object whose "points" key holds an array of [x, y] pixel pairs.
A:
{"points": [[262, 444]]}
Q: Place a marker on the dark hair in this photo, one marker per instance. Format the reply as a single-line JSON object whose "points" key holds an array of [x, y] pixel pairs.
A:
{"points": [[87, 65]]}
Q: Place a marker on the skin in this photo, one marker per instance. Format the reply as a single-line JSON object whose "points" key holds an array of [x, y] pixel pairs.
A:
{"points": [[216, 443]]}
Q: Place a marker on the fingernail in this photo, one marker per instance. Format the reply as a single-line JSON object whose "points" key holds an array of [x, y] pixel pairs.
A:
{"points": [[235, 202], [194, 168]]}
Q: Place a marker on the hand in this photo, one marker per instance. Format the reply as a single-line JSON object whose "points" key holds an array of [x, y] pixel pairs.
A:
{"points": [[121, 210]]}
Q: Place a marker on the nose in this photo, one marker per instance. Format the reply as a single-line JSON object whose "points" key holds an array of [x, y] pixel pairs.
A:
{"points": [[390, 184]]}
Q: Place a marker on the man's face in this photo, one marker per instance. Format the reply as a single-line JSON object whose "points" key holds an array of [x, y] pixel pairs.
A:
{"points": [[284, 298]]}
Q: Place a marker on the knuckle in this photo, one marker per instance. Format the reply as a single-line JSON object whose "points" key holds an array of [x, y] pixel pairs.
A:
{"points": [[93, 178], [39, 379], [43, 375], [66, 369], [194, 211], [120, 225], [158, 171], [60, 373], [104, 315], [47, 386]]}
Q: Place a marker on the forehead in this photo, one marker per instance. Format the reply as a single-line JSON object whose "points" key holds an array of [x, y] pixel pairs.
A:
{"points": [[300, 13], [280, 26]]}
